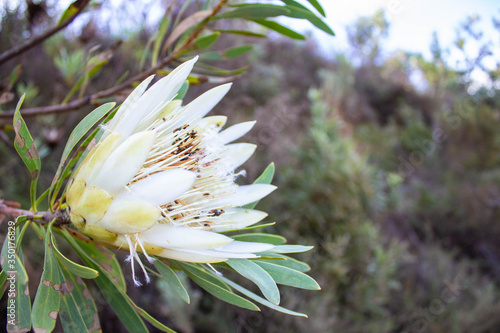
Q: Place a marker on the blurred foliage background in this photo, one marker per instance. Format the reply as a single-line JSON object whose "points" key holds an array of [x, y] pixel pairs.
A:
{"points": [[395, 180]]}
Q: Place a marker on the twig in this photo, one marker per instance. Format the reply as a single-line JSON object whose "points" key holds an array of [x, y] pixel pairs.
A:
{"points": [[11, 209], [93, 99], [23, 47]]}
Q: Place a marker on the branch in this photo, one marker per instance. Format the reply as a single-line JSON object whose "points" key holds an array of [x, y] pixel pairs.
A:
{"points": [[23, 47], [11, 209], [93, 99]]}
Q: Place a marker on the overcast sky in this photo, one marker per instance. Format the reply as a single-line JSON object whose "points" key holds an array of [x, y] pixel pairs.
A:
{"points": [[412, 21]]}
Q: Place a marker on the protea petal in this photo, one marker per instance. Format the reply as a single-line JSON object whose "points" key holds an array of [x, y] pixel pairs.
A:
{"points": [[128, 104], [238, 153], [123, 163], [169, 236], [213, 121], [163, 187], [245, 247], [244, 195], [154, 99], [236, 131], [202, 105], [236, 218]]}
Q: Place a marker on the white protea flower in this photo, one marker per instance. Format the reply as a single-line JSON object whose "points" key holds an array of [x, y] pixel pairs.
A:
{"points": [[161, 179]]}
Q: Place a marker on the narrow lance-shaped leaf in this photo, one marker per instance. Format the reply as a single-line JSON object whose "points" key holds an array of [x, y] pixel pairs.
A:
{"points": [[111, 290], [48, 297], [237, 51], [261, 300], [71, 11], [205, 41], [289, 277], [106, 260], [318, 7], [260, 238], [173, 281], [19, 300], [26, 149], [253, 11], [280, 29], [84, 300], [201, 278], [182, 92], [299, 11], [286, 261], [241, 32], [257, 275], [160, 35], [70, 314], [265, 178], [153, 321], [77, 269]]}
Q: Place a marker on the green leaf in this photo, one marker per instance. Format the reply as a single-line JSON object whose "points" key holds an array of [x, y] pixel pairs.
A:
{"points": [[200, 270], [205, 41], [123, 306], [211, 56], [219, 71], [160, 35], [261, 238], [48, 297], [289, 277], [289, 249], [182, 92], [318, 7], [241, 32], [69, 12], [3, 279], [26, 149], [282, 260], [76, 135], [14, 75], [257, 275], [215, 289], [153, 321], [110, 288], [265, 178], [260, 299], [70, 314], [84, 300], [253, 227], [301, 12], [238, 51], [173, 281], [253, 11], [106, 260], [280, 29], [77, 269], [20, 298], [9, 258]]}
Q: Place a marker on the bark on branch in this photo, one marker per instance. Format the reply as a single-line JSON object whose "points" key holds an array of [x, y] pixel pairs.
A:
{"points": [[28, 44]]}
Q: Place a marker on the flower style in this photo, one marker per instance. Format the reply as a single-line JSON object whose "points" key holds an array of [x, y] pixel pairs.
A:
{"points": [[161, 179]]}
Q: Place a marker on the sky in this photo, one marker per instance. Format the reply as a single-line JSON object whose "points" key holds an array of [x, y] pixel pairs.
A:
{"points": [[412, 21]]}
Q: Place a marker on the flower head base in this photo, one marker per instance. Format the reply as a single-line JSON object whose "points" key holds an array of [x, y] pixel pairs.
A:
{"points": [[161, 179]]}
